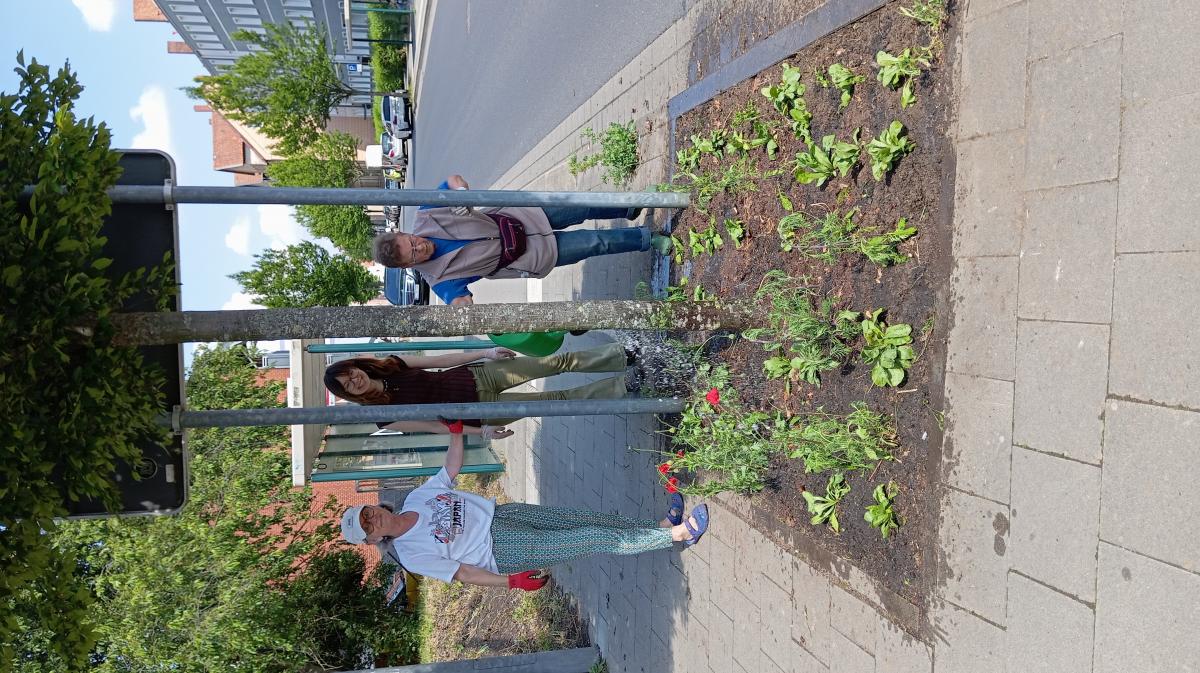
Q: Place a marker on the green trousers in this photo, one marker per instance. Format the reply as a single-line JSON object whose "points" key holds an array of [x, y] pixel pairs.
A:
{"points": [[494, 377], [528, 537]]}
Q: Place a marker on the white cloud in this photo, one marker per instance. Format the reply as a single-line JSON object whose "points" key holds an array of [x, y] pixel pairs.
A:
{"points": [[151, 111], [239, 301], [238, 237], [279, 225], [97, 14]]}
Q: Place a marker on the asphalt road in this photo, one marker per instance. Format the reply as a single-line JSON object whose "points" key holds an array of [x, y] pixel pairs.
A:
{"points": [[501, 74]]}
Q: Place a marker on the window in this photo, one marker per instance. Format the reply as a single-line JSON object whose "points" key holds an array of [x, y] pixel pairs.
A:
{"points": [[243, 11], [297, 3], [298, 14], [243, 21]]}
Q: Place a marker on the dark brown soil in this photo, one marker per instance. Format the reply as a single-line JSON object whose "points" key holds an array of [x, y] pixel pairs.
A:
{"points": [[919, 189]]}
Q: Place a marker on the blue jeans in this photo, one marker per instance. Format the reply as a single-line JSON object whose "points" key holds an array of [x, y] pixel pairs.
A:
{"points": [[562, 217], [575, 246]]}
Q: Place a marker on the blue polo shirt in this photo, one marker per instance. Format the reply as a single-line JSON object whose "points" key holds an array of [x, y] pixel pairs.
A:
{"points": [[448, 290]]}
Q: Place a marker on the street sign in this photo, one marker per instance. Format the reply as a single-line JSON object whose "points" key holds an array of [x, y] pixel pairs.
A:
{"points": [[138, 237]]}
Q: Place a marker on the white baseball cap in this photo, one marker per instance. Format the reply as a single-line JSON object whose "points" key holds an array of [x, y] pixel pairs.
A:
{"points": [[352, 529]]}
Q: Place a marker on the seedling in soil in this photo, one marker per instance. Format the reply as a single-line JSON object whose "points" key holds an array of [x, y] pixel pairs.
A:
{"points": [[700, 296], [824, 508], [737, 232], [819, 164], [827, 442], [787, 228], [677, 249], [929, 13], [677, 293], [882, 250], [844, 79], [785, 202], [707, 241], [713, 144], [830, 237], [618, 153], [887, 148], [764, 132], [822, 81], [888, 350], [747, 114], [881, 515], [788, 99], [688, 159], [806, 364], [899, 71]]}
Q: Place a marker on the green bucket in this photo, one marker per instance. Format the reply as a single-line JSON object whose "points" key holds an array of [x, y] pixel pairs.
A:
{"points": [[534, 344]]}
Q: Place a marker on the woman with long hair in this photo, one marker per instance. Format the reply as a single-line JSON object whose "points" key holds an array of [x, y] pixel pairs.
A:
{"points": [[452, 535], [408, 380]]}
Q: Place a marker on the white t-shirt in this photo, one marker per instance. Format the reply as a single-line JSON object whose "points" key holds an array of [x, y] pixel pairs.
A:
{"points": [[454, 527]]}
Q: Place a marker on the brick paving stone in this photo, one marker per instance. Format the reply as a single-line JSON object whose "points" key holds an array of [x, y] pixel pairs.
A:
{"points": [[1160, 45], [977, 453], [989, 185], [1149, 449], [1146, 614], [1047, 631], [846, 657], [1062, 379], [1158, 201], [810, 612], [1067, 254], [992, 61], [983, 337], [1075, 116], [1154, 301], [973, 538], [898, 652], [853, 618], [964, 643]]}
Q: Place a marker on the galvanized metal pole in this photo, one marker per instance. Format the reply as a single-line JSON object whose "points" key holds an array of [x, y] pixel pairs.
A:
{"points": [[383, 347], [176, 194], [350, 413]]}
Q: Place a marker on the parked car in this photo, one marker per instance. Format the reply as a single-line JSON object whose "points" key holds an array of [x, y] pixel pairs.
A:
{"points": [[405, 287], [394, 115], [394, 152]]}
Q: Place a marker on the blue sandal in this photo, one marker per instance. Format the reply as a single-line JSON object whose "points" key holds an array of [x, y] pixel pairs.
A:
{"points": [[675, 511], [700, 514]]}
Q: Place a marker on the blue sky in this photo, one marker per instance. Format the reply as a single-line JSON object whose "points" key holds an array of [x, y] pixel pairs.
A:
{"points": [[133, 84]]}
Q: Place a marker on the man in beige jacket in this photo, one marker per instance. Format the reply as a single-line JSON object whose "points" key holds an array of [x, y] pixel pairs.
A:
{"points": [[453, 247]]}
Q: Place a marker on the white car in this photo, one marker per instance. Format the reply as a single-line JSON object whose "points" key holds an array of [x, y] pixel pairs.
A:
{"points": [[394, 115]]}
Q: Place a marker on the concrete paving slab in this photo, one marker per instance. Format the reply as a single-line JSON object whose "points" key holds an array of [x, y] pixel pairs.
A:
{"points": [[981, 8], [992, 62], [810, 612], [775, 605], [1150, 361], [720, 644], [1055, 513], [1047, 631], [1067, 253], [747, 632], [964, 643], [1146, 614], [898, 652], [1149, 449], [973, 567], [1062, 380], [989, 204], [791, 658], [979, 416], [846, 657], [1060, 25], [1158, 200], [1161, 49], [983, 338], [1075, 116], [853, 618]]}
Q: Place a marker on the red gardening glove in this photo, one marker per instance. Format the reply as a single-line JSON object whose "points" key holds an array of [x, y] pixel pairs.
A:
{"points": [[526, 581], [455, 427]]}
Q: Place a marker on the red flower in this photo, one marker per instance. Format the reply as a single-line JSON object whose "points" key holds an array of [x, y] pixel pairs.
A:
{"points": [[672, 485], [713, 397], [664, 468], [679, 454]]}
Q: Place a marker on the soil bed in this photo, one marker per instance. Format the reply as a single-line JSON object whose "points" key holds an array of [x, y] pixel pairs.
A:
{"points": [[919, 189]]}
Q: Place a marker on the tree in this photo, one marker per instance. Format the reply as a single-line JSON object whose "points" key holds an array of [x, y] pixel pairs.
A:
{"points": [[328, 161], [243, 578], [305, 275], [287, 89], [74, 403], [313, 323]]}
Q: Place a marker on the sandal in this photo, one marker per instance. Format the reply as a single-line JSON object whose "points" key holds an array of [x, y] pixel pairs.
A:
{"points": [[700, 514], [675, 511]]}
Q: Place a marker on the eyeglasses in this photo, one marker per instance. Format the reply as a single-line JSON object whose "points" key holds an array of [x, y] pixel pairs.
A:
{"points": [[368, 519]]}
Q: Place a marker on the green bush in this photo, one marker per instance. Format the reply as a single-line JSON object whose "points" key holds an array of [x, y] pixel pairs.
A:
{"points": [[388, 61], [74, 404]]}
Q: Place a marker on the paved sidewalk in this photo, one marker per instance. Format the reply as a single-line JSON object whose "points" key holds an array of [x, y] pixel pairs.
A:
{"points": [[1067, 540]]}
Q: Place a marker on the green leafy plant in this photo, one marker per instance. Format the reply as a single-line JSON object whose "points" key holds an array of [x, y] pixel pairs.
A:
{"points": [[788, 99], [888, 350], [687, 159], [765, 133], [931, 13], [806, 362], [844, 79], [736, 229], [713, 144], [882, 250], [678, 293], [746, 115], [899, 71], [830, 237], [881, 515], [831, 158], [824, 508], [618, 153], [706, 241], [888, 148], [824, 442]]}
